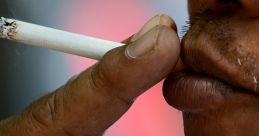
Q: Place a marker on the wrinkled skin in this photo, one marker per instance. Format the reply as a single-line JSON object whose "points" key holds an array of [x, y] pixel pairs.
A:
{"points": [[218, 93]]}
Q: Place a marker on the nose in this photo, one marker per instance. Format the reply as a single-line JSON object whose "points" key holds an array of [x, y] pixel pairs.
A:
{"points": [[249, 8]]}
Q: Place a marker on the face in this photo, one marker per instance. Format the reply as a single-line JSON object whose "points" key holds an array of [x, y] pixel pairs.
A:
{"points": [[218, 93], [223, 41]]}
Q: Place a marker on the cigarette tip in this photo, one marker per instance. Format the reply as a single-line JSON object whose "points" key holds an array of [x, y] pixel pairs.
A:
{"points": [[7, 28]]}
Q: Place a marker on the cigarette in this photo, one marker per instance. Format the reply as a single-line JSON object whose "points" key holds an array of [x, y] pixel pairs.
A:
{"points": [[45, 37]]}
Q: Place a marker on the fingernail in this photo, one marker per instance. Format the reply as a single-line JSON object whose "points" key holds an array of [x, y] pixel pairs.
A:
{"points": [[160, 19], [147, 27], [146, 44]]}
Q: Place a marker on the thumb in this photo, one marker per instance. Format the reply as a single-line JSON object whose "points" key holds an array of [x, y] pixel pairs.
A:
{"points": [[102, 94]]}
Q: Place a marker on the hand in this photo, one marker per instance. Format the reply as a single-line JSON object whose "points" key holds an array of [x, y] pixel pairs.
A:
{"points": [[93, 101], [218, 94]]}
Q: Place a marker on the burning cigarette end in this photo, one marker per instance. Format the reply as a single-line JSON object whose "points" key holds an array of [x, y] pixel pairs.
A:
{"points": [[46, 37], [7, 28]]}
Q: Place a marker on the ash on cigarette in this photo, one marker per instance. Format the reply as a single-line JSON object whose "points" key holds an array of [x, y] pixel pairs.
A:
{"points": [[7, 28]]}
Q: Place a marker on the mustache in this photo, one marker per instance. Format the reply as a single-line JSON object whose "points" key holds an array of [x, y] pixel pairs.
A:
{"points": [[203, 16]]}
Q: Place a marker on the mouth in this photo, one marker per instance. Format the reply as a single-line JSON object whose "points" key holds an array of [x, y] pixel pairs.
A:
{"points": [[220, 58], [221, 46]]}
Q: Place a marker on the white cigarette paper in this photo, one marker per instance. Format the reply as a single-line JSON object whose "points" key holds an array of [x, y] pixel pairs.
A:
{"points": [[46, 37]]}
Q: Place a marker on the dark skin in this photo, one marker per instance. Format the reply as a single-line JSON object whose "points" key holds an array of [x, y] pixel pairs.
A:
{"points": [[217, 91], [218, 94]]}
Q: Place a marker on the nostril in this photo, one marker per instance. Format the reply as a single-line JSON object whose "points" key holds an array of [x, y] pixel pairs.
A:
{"points": [[223, 6], [228, 1], [197, 7]]}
